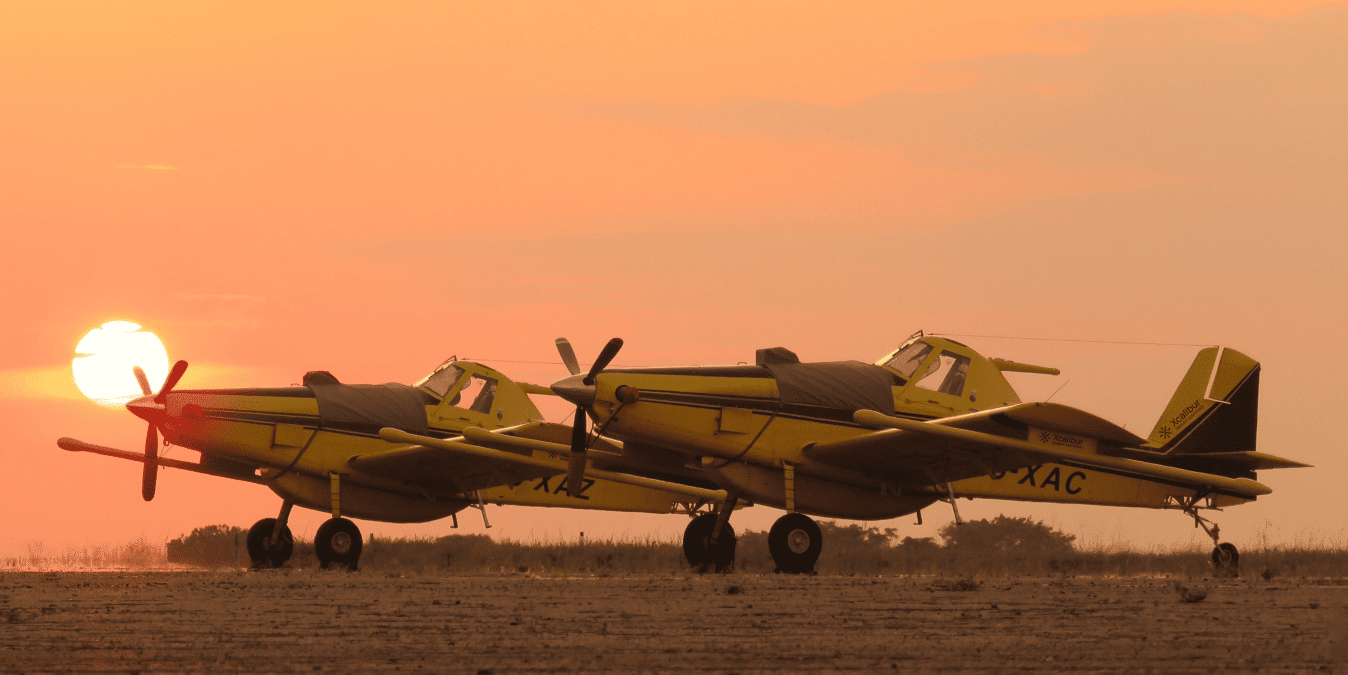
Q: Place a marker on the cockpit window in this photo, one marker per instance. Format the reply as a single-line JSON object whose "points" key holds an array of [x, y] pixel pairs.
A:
{"points": [[481, 391], [909, 358], [946, 374], [441, 380]]}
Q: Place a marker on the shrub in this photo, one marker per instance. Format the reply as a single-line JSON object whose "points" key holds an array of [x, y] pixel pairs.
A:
{"points": [[1002, 546], [210, 546], [1008, 537]]}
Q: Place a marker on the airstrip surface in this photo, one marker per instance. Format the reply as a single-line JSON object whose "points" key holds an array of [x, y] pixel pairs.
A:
{"points": [[310, 621]]}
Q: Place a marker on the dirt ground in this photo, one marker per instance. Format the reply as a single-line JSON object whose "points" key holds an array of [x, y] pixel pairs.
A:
{"points": [[308, 621]]}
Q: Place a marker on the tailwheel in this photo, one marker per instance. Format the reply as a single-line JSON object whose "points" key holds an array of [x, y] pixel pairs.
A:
{"points": [[1225, 557], [701, 552], [795, 542], [1226, 560], [338, 541], [261, 550]]}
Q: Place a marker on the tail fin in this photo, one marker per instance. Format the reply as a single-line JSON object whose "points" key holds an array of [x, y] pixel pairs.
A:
{"points": [[1215, 409]]}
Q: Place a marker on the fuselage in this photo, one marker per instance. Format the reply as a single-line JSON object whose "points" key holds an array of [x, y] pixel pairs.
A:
{"points": [[282, 437], [751, 428], [743, 424]]}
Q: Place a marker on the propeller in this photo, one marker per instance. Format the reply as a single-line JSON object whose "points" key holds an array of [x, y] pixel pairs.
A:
{"points": [[568, 356], [576, 464], [153, 415]]}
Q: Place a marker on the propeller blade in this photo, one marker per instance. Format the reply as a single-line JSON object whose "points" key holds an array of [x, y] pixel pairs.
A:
{"points": [[143, 381], [174, 375], [151, 474], [578, 435], [575, 474], [576, 464], [568, 356], [605, 356]]}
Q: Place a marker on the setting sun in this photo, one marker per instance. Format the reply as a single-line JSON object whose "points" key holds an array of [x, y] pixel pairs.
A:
{"points": [[105, 356]]}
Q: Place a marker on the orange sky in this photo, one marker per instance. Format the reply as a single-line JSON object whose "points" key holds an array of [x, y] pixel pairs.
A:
{"points": [[369, 188]]}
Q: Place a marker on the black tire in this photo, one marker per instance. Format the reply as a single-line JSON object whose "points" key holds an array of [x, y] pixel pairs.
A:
{"points": [[795, 543], [338, 541], [260, 554], [699, 552], [1226, 560]]}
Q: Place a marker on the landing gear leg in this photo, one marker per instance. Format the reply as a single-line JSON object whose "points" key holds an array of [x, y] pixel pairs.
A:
{"points": [[795, 542], [269, 541], [1225, 557], [338, 539], [709, 541]]}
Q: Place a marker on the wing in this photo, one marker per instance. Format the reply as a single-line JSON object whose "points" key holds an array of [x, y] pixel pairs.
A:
{"points": [[210, 466], [1003, 439], [921, 454], [452, 462], [505, 456], [459, 462]]}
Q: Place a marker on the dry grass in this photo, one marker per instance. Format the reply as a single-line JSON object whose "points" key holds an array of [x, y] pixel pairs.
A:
{"points": [[139, 554], [1001, 548], [477, 553]]}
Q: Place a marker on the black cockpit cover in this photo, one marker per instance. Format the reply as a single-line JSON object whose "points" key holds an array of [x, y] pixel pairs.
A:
{"points": [[840, 385], [367, 408]]}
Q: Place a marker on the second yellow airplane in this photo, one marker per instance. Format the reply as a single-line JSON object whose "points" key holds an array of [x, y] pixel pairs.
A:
{"points": [[933, 420]]}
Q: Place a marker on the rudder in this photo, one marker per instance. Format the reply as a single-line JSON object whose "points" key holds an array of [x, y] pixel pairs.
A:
{"points": [[1215, 408]]}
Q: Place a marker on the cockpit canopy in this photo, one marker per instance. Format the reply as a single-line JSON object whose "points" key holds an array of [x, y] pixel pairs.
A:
{"points": [[952, 375], [946, 373], [451, 378]]}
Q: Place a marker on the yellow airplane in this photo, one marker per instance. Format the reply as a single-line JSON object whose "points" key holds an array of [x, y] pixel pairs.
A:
{"points": [[318, 446], [933, 420]]}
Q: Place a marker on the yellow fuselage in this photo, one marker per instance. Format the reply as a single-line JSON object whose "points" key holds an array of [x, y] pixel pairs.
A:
{"points": [[734, 423]]}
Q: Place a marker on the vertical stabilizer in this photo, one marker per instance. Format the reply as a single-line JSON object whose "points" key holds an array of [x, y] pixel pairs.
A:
{"points": [[1215, 408]]}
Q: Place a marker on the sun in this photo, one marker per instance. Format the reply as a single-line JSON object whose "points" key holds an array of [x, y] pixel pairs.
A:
{"points": [[105, 356]]}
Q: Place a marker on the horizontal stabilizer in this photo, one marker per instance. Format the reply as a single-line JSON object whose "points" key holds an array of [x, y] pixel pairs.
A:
{"points": [[1253, 461]]}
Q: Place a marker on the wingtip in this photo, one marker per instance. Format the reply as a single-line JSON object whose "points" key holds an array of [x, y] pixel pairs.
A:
{"points": [[1256, 488]]}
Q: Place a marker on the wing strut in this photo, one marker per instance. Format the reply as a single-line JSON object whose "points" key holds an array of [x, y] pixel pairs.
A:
{"points": [[950, 499], [482, 506]]}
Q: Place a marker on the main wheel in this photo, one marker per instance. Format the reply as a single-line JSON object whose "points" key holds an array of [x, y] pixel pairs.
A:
{"points": [[795, 542], [1226, 560], [338, 541], [700, 552], [260, 551]]}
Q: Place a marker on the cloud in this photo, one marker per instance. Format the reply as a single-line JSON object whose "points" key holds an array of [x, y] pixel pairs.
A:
{"points": [[229, 297], [224, 376], [56, 382], [1184, 94], [53, 382]]}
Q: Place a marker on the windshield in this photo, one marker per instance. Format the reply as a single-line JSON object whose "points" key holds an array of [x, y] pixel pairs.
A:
{"points": [[906, 360], [440, 381]]}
